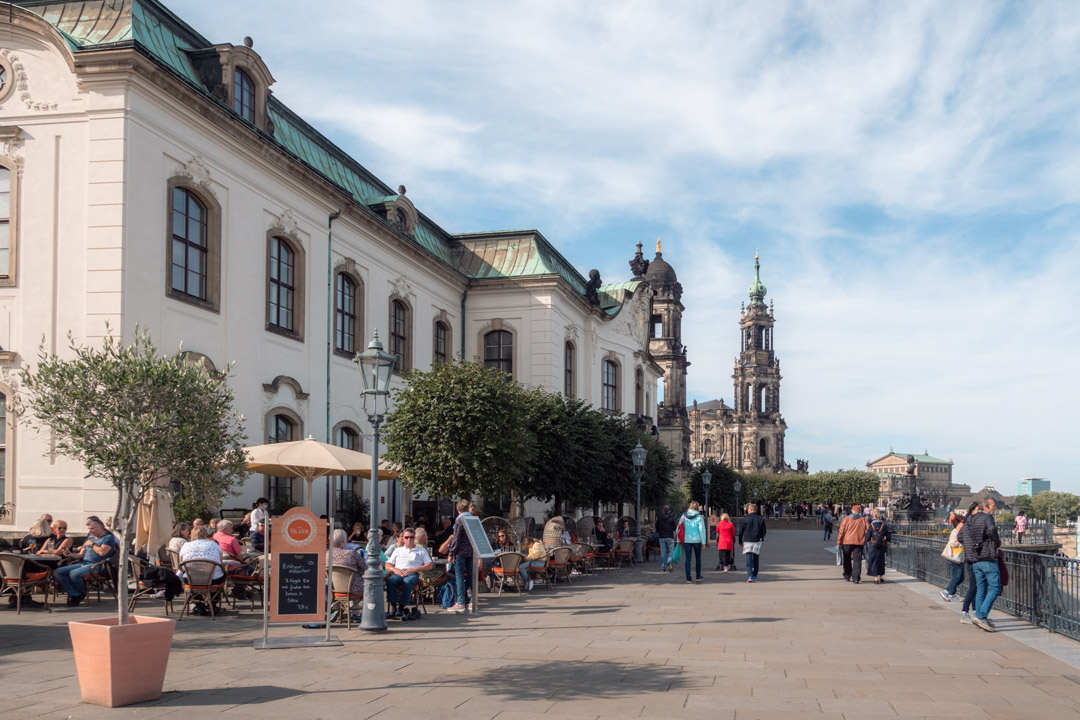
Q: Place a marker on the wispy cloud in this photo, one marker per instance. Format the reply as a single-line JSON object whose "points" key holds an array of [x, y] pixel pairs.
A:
{"points": [[910, 171]]}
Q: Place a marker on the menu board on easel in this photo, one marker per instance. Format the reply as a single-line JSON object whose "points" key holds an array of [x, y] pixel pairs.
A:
{"points": [[298, 578]]}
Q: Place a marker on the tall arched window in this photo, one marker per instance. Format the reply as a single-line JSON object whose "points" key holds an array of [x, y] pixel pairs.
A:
{"points": [[189, 244], [399, 334], [345, 437], [639, 392], [610, 399], [282, 278], [568, 371], [5, 222], [706, 446], [346, 314], [499, 351], [280, 429], [763, 448], [441, 343], [7, 481], [243, 95]]}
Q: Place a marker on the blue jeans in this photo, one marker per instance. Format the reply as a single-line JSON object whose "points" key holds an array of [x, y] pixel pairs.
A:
{"points": [[462, 573], [71, 577], [695, 549], [667, 546], [956, 579], [988, 583], [396, 586], [753, 561], [828, 531]]}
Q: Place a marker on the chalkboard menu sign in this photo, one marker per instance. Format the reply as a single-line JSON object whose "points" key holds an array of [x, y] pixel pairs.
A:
{"points": [[298, 584], [298, 573]]}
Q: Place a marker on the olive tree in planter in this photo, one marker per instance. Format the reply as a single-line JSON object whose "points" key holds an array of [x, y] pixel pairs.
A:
{"points": [[134, 417]]}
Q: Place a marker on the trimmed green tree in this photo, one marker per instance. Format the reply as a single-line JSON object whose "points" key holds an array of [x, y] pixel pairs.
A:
{"points": [[460, 429], [136, 419]]}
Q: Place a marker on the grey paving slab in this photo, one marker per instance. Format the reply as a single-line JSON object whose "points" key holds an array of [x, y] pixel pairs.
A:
{"points": [[632, 643]]}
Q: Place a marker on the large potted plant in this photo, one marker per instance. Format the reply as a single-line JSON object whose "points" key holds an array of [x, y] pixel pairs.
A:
{"points": [[134, 418]]}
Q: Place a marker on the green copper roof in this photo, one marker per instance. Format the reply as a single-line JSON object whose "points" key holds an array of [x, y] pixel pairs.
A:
{"points": [[513, 253], [613, 296], [757, 288]]}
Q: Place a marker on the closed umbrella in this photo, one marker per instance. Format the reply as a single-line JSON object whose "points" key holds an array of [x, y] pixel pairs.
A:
{"points": [[155, 522]]}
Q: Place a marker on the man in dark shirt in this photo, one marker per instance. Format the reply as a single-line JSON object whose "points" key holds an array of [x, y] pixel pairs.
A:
{"points": [[665, 528], [258, 539], [981, 542]]}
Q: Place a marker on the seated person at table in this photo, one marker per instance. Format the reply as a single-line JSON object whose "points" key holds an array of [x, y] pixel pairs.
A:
{"points": [[535, 560], [100, 545], [357, 534], [603, 539], [404, 566], [181, 533], [59, 544], [436, 575], [502, 542], [340, 555], [201, 547], [244, 527], [40, 533], [258, 536], [230, 546], [443, 534]]}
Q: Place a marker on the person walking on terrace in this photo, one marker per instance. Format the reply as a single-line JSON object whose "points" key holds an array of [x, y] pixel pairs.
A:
{"points": [[725, 543], [981, 543], [954, 553], [665, 528], [877, 540], [850, 538], [751, 536], [694, 534]]}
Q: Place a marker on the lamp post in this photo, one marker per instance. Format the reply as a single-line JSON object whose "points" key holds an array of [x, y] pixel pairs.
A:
{"points": [[637, 455], [738, 487], [376, 369], [706, 480], [765, 493]]}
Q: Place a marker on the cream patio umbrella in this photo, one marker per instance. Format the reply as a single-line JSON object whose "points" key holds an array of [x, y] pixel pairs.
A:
{"points": [[155, 522], [310, 459]]}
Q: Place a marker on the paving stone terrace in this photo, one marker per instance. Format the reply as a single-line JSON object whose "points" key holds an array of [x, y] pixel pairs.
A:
{"points": [[633, 643]]}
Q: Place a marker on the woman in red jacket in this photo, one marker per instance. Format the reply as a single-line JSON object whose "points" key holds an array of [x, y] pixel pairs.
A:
{"points": [[725, 543]]}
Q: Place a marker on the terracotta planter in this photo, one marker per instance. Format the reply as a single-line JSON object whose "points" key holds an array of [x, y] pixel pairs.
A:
{"points": [[121, 664]]}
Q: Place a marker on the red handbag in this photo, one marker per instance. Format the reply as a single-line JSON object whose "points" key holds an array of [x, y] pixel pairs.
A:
{"points": [[681, 530]]}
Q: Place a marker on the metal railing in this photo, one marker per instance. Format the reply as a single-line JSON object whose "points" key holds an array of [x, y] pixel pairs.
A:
{"points": [[1037, 533], [1042, 589]]}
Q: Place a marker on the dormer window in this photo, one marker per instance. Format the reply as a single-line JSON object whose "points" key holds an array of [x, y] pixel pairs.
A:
{"points": [[244, 95], [401, 219]]}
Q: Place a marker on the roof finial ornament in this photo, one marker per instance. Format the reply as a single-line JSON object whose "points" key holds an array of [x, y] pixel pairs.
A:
{"points": [[248, 42], [638, 264], [757, 288], [657, 246], [400, 189]]}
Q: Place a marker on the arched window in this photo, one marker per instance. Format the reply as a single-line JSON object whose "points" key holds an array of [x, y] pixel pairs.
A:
{"points": [[610, 398], [6, 210], [243, 95], [706, 446], [7, 464], [282, 283], [763, 448], [401, 220], [568, 370], [399, 334], [639, 391], [499, 351], [280, 428], [189, 244], [348, 438], [441, 343], [346, 314]]}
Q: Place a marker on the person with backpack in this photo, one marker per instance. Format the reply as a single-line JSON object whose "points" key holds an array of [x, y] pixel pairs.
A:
{"points": [[877, 539], [692, 525]]}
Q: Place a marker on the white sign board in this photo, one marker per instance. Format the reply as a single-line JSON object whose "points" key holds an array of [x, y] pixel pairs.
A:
{"points": [[475, 530]]}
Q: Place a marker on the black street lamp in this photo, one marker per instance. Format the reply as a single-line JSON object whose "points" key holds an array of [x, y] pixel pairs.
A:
{"points": [[738, 487], [376, 369], [637, 455]]}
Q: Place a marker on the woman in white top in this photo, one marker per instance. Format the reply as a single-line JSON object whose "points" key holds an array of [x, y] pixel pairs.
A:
{"points": [[201, 547], [181, 533]]}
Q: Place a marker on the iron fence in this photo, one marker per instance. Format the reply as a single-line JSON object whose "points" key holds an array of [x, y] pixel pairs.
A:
{"points": [[1042, 589], [1037, 533]]}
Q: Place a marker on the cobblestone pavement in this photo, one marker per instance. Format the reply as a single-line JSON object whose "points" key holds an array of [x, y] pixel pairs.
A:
{"points": [[632, 643]]}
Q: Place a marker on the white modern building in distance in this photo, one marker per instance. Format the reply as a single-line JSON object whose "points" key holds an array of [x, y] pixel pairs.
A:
{"points": [[1032, 486], [150, 176]]}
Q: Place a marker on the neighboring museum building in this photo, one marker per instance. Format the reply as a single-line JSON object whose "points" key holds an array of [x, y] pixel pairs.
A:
{"points": [[751, 432], [151, 177], [930, 477]]}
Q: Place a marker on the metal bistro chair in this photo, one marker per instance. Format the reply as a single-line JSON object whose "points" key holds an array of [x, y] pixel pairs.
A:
{"points": [[542, 574], [624, 552], [253, 583], [559, 564], [103, 576], [22, 573], [143, 588], [583, 557], [174, 558], [341, 577], [507, 570], [199, 582], [605, 558]]}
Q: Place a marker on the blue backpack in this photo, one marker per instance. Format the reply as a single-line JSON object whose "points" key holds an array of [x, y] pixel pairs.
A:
{"points": [[447, 595]]}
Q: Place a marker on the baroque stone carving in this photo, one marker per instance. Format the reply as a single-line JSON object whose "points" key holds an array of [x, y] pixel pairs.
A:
{"points": [[401, 286], [286, 222], [22, 84]]}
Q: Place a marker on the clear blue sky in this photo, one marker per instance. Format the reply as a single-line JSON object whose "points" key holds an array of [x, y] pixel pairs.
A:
{"points": [[909, 171]]}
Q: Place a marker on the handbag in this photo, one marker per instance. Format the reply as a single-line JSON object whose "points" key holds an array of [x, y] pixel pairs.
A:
{"points": [[953, 555], [1003, 569], [681, 530], [676, 555]]}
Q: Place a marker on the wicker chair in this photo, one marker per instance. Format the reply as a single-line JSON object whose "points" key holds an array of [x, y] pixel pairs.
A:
{"points": [[585, 527], [492, 526], [553, 532], [583, 557], [624, 552], [524, 527], [559, 564], [22, 574], [542, 574], [341, 577], [199, 582], [143, 588], [507, 570]]}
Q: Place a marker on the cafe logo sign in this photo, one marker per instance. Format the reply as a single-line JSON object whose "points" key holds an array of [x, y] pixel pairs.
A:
{"points": [[298, 531]]}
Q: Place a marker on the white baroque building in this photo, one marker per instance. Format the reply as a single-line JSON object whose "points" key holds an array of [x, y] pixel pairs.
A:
{"points": [[149, 176]]}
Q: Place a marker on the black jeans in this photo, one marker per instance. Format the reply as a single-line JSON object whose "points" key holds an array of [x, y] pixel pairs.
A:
{"points": [[696, 549], [969, 597], [853, 562]]}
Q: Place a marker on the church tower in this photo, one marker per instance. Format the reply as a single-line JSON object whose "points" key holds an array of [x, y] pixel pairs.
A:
{"points": [[666, 348], [754, 439]]}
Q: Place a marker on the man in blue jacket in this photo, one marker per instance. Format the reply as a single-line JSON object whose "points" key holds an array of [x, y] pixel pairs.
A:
{"points": [[981, 542], [751, 535]]}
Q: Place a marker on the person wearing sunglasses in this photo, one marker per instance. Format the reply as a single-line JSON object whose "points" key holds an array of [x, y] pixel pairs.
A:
{"points": [[403, 574]]}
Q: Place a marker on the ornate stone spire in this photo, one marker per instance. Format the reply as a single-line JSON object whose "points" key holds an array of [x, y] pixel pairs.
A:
{"points": [[757, 288], [639, 265]]}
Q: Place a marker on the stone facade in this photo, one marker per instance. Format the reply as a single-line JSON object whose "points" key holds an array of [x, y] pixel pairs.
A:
{"points": [[750, 433], [932, 478], [156, 180], [667, 349]]}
